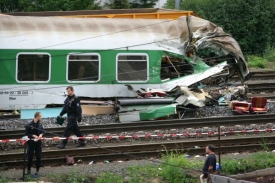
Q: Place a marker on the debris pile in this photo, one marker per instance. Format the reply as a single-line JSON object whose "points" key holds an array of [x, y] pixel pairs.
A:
{"points": [[180, 100]]}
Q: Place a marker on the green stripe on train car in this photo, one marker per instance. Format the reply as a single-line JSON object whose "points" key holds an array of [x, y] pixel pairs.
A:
{"points": [[59, 60]]}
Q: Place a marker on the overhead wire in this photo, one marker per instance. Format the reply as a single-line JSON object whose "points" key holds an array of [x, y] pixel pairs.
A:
{"points": [[99, 36]]}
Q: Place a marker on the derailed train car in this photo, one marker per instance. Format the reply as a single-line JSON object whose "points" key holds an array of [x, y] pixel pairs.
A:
{"points": [[143, 63]]}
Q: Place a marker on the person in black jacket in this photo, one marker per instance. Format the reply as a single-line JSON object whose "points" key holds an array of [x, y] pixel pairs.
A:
{"points": [[74, 113], [209, 164], [34, 130]]}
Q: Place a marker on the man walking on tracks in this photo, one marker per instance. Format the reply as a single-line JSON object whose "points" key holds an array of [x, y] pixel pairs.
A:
{"points": [[74, 113], [209, 164], [34, 130]]}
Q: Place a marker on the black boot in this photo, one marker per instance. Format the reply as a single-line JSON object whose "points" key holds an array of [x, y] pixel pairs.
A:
{"points": [[61, 146], [36, 175], [80, 144]]}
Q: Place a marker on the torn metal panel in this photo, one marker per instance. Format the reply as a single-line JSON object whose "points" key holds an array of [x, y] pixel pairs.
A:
{"points": [[196, 99], [96, 109], [210, 39], [158, 112], [201, 38], [140, 107], [193, 78], [129, 116], [181, 99], [143, 101]]}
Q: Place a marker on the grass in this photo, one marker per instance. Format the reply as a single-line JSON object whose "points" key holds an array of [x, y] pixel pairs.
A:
{"points": [[269, 54], [171, 171], [251, 162], [267, 60], [256, 62], [4, 179], [142, 174], [109, 177], [72, 177]]}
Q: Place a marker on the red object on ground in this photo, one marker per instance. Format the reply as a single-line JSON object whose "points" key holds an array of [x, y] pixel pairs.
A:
{"points": [[241, 107], [258, 105]]}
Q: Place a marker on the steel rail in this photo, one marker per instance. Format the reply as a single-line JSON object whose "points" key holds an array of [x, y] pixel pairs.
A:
{"points": [[153, 125], [149, 125], [257, 76], [54, 157], [262, 84]]}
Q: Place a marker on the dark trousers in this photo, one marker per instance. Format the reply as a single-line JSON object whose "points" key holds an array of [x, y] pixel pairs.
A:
{"points": [[72, 126], [37, 148]]}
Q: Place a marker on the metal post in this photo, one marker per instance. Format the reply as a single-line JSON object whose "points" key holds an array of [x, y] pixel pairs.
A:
{"points": [[24, 166], [219, 139], [177, 4]]}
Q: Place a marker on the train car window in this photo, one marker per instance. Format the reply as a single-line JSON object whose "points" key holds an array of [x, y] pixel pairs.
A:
{"points": [[132, 68], [33, 67], [83, 68], [173, 67]]}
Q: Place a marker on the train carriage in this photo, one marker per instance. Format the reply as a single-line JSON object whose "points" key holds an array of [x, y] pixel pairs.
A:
{"points": [[40, 56]]}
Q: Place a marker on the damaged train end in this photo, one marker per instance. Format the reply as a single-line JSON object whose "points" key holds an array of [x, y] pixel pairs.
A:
{"points": [[204, 57]]}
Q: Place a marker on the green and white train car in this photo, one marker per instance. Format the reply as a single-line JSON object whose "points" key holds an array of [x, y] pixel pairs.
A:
{"points": [[40, 56]]}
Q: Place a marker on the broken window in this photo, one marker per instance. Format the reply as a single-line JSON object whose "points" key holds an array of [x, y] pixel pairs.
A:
{"points": [[173, 67], [132, 68], [33, 67], [83, 68]]}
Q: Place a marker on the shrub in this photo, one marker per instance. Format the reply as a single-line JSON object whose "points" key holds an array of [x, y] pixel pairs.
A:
{"points": [[172, 171], [269, 54], [256, 62], [252, 162]]}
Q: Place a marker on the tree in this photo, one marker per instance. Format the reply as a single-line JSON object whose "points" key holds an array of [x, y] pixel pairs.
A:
{"points": [[120, 4], [251, 23], [143, 3], [57, 5], [9, 6], [170, 4]]}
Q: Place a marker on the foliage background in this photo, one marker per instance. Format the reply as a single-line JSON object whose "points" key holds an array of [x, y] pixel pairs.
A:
{"points": [[250, 22], [70, 5]]}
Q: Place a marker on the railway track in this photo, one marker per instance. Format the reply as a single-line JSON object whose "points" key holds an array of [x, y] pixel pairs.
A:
{"points": [[262, 87], [141, 151], [259, 75], [153, 125]]}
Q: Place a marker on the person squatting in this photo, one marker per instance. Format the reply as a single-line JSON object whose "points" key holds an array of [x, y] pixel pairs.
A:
{"points": [[74, 113], [34, 130]]}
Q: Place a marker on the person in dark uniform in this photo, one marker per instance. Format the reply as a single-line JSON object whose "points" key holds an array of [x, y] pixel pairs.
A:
{"points": [[209, 164], [34, 130], [74, 113]]}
